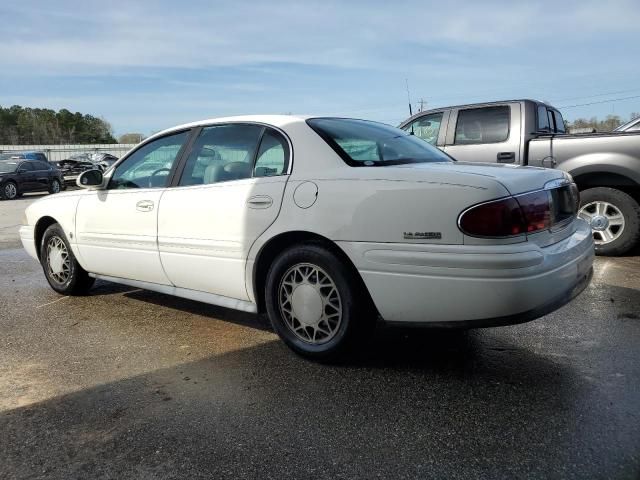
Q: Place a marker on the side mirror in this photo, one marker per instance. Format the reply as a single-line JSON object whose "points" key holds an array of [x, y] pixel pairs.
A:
{"points": [[90, 178], [21, 170]]}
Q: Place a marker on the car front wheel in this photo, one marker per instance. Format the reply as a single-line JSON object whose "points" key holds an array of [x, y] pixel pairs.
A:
{"points": [[315, 303], [614, 217], [63, 272], [10, 191]]}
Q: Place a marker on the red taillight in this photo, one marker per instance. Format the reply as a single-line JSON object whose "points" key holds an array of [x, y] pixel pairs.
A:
{"points": [[508, 216], [536, 208], [500, 218]]}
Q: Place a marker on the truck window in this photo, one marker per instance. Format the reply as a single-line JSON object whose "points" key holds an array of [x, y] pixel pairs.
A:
{"points": [[543, 119], [427, 128], [559, 122], [482, 125]]}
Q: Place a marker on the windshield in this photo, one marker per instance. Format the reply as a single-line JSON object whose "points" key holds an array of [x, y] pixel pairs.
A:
{"points": [[7, 167], [362, 143]]}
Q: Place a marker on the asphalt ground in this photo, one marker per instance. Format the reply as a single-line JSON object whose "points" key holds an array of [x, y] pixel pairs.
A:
{"points": [[126, 383]]}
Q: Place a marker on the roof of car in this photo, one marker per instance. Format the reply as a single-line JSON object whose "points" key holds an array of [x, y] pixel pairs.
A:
{"points": [[275, 120]]}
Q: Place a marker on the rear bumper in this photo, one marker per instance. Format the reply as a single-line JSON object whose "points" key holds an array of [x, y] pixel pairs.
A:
{"points": [[465, 285]]}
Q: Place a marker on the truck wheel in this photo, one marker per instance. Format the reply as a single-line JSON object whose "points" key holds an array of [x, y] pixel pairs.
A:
{"points": [[614, 217]]}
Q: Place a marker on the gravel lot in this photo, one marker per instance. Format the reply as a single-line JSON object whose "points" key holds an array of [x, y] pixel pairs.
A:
{"points": [[126, 383]]}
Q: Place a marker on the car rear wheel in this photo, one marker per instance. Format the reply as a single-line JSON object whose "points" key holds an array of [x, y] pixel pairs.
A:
{"points": [[55, 186], [614, 217], [10, 191], [315, 304], [62, 270]]}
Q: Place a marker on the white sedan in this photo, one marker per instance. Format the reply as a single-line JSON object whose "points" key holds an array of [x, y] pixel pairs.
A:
{"points": [[325, 224]]}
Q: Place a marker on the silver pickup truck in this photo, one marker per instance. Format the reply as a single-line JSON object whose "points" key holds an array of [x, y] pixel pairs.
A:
{"points": [[605, 166]]}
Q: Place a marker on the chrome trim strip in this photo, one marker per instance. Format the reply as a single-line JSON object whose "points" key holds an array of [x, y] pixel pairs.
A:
{"points": [[196, 295]]}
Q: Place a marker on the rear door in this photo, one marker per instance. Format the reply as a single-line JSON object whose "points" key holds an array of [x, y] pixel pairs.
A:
{"points": [[230, 191], [42, 174], [487, 134]]}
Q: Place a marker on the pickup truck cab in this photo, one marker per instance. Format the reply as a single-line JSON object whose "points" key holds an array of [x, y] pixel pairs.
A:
{"points": [[605, 166]]}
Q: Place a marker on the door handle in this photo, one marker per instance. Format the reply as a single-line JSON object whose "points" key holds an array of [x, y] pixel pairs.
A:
{"points": [[144, 206], [506, 157], [260, 201]]}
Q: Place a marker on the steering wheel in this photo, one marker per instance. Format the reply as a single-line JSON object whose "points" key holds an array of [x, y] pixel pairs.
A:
{"points": [[151, 185]]}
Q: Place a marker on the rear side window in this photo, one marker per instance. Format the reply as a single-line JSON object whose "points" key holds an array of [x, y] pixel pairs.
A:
{"points": [[482, 125], [543, 119], [559, 122], [273, 154]]}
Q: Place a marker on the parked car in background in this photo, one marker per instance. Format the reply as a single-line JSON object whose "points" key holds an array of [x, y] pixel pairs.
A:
{"points": [[324, 224], [632, 126], [18, 176], [81, 162], [605, 166], [25, 155]]}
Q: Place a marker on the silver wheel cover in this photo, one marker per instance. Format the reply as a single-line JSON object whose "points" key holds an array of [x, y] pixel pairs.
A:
{"points": [[606, 220], [58, 262], [310, 303]]}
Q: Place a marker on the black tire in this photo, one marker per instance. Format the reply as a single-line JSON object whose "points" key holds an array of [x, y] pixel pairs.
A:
{"points": [[357, 317], [72, 279], [627, 206], [55, 186], [10, 191]]}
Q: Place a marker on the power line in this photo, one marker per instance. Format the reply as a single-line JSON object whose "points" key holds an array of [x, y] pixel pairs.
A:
{"points": [[599, 102]]}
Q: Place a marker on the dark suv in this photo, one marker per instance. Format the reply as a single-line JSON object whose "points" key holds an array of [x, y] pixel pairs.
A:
{"points": [[19, 175]]}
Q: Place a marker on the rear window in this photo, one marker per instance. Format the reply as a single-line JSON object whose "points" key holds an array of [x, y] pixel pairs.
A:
{"points": [[361, 143], [482, 125]]}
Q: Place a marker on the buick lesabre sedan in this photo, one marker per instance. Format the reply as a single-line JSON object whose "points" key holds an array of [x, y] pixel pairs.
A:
{"points": [[325, 224]]}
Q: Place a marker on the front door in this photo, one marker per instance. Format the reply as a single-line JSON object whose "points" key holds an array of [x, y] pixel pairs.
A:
{"points": [[485, 134], [116, 228], [228, 194]]}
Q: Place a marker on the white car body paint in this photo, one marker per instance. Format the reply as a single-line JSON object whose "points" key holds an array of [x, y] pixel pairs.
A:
{"points": [[205, 239]]}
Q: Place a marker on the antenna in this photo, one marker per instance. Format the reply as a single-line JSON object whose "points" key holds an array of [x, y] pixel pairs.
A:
{"points": [[406, 81]]}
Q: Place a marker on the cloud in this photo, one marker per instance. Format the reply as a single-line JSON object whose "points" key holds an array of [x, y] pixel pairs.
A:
{"points": [[356, 34]]}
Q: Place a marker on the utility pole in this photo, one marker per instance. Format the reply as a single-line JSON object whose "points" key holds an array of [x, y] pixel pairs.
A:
{"points": [[422, 104]]}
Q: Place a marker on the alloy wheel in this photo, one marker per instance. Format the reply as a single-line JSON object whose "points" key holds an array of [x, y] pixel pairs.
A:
{"points": [[10, 191], [310, 303], [606, 220]]}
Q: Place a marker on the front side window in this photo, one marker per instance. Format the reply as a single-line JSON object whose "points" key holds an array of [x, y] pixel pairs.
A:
{"points": [[222, 153], [427, 128], [150, 165], [482, 125], [26, 166], [362, 143]]}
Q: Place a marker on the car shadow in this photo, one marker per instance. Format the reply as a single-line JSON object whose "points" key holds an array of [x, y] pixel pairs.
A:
{"points": [[440, 408]]}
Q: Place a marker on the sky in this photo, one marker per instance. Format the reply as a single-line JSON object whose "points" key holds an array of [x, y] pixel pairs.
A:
{"points": [[147, 65]]}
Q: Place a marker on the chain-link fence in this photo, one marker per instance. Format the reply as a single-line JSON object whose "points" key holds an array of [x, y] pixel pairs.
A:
{"points": [[55, 153]]}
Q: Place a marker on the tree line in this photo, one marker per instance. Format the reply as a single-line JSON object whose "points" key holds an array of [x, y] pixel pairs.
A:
{"points": [[610, 123], [42, 126]]}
